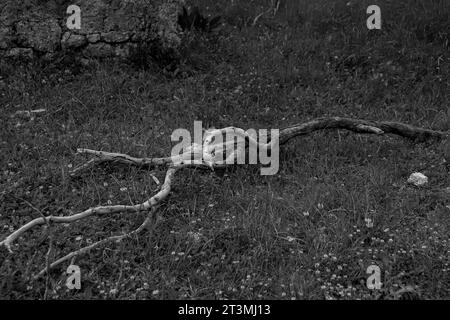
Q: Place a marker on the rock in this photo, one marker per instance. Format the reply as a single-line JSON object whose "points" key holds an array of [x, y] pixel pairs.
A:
{"points": [[115, 37], [108, 27], [93, 38], [20, 53], [4, 34], [85, 62], [70, 40], [38, 30], [418, 179]]}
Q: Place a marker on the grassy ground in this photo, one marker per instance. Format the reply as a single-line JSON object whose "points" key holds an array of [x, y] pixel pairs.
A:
{"points": [[300, 234]]}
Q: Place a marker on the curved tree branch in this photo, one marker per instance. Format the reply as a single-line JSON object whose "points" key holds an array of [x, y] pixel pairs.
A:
{"points": [[360, 126], [152, 202]]}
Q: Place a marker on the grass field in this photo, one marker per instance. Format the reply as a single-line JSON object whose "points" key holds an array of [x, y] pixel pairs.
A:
{"points": [[301, 234]]}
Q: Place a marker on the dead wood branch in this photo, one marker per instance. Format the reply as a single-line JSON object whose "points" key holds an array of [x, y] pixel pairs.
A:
{"points": [[200, 157], [360, 126], [116, 238], [101, 210]]}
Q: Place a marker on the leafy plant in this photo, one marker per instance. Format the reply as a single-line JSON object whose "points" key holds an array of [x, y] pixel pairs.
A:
{"points": [[195, 20]]}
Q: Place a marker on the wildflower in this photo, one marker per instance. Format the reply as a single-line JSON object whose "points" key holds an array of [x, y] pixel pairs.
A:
{"points": [[113, 291], [369, 223]]}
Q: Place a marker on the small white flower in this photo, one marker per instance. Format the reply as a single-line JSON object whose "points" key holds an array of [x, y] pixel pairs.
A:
{"points": [[369, 222], [290, 239], [113, 291]]}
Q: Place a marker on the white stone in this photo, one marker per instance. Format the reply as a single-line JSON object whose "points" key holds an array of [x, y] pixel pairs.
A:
{"points": [[418, 179]]}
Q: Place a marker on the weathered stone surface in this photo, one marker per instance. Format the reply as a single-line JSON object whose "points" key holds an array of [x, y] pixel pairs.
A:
{"points": [[93, 38], [20, 53], [115, 37], [6, 39], [70, 40], [108, 27], [39, 32]]}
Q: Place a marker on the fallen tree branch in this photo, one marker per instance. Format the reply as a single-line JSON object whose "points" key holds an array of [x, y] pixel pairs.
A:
{"points": [[360, 126], [195, 157], [85, 249], [101, 210], [286, 134], [101, 156]]}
